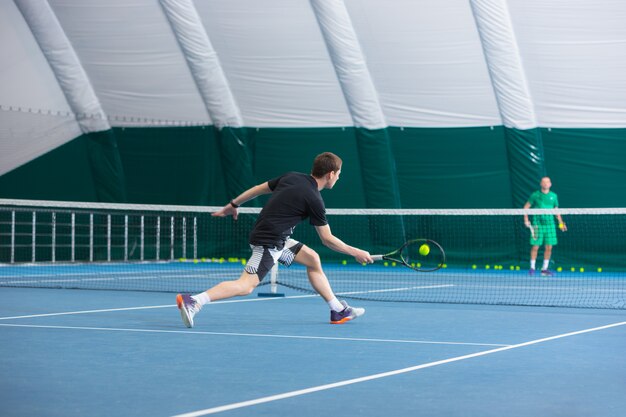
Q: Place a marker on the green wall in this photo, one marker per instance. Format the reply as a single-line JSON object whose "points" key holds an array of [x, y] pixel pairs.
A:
{"points": [[482, 167]]}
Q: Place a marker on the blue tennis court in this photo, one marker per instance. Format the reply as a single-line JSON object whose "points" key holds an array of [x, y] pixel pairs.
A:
{"points": [[77, 352]]}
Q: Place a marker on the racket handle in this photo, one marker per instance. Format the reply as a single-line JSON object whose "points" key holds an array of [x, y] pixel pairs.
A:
{"points": [[377, 257]]}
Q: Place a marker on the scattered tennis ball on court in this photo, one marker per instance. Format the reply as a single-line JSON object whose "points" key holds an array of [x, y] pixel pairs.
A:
{"points": [[393, 264], [195, 261], [424, 249], [487, 267], [182, 260], [572, 269], [582, 269], [559, 269], [517, 268], [473, 266], [599, 269], [344, 262], [243, 261], [386, 263], [444, 266]]}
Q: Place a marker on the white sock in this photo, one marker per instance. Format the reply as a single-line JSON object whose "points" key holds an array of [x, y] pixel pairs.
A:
{"points": [[202, 298], [532, 263], [335, 305], [546, 264]]}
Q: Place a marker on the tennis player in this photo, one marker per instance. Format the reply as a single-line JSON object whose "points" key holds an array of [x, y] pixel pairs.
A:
{"points": [[295, 197], [543, 226]]}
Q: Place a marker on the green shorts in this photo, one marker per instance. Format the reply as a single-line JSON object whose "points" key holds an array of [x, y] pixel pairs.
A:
{"points": [[545, 234]]}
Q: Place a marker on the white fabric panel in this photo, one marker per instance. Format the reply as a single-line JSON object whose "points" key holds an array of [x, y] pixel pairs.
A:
{"points": [[27, 136], [203, 62], [574, 53], [34, 114], [426, 61], [276, 62], [133, 60], [504, 63], [65, 65], [349, 63]]}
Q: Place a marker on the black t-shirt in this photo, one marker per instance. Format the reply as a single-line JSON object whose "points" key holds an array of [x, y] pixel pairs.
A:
{"points": [[294, 198]]}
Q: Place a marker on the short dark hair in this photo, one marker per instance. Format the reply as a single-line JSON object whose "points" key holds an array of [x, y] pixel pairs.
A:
{"points": [[324, 163]]}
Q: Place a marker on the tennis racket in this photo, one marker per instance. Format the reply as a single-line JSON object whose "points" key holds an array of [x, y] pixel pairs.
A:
{"points": [[533, 231], [422, 255]]}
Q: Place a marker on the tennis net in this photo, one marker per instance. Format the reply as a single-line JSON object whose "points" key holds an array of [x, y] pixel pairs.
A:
{"points": [[184, 249]]}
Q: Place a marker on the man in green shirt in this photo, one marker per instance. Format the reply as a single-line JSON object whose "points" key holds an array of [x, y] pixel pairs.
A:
{"points": [[543, 228]]}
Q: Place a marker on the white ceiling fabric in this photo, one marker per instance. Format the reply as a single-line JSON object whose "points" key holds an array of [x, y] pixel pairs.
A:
{"points": [[306, 63]]}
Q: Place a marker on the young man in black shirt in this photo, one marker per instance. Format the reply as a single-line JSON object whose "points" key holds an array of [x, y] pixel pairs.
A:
{"points": [[295, 197]]}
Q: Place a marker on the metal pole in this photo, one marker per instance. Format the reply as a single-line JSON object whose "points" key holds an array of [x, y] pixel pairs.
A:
{"points": [[73, 258], [172, 238], [184, 238], [90, 237], [13, 236], [126, 237], [34, 239], [141, 239], [54, 236], [109, 237], [158, 238], [195, 238]]}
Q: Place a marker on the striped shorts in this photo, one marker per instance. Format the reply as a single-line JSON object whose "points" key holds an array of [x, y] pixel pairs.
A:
{"points": [[264, 258]]}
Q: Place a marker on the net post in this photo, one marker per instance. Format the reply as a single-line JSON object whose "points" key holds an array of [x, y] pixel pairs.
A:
{"points": [[273, 284]]}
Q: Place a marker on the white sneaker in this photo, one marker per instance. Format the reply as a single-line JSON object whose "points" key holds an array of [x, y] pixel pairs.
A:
{"points": [[347, 314], [188, 308]]}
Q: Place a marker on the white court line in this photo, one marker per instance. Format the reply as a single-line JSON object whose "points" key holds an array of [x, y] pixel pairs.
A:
{"points": [[142, 308], [318, 388], [214, 302], [279, 336]]}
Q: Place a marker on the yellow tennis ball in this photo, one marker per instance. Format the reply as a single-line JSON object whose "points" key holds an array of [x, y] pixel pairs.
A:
{"points": [[582, 269], [559, 269], [344, 262], [599, 269], [424, 249], [473, 266]]}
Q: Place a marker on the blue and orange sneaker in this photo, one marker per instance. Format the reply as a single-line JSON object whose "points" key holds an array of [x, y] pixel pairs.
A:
{"points": [[347, 314], [188, 308], [547, 273], [531, 272]]}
